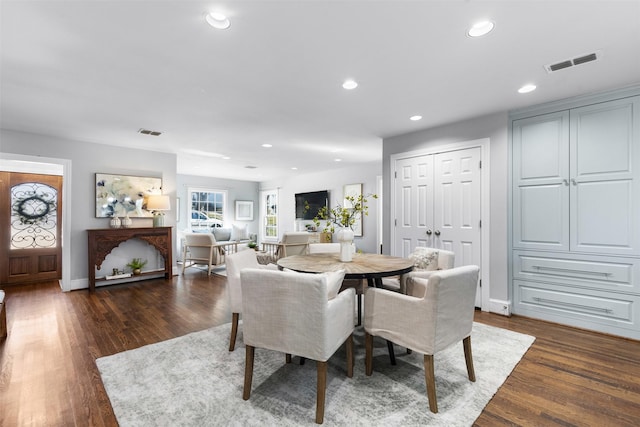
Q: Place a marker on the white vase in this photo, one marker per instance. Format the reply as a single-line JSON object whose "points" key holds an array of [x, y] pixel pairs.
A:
{"points": [[115, 222], [126, 221], [345, 238]]}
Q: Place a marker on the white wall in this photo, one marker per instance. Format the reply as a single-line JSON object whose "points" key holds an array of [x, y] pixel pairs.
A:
{"points": [[86, 160], [494, 127], [334, 182]]}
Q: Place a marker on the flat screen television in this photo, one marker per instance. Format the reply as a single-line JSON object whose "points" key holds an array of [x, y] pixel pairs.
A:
{"points": [[315, 199]]}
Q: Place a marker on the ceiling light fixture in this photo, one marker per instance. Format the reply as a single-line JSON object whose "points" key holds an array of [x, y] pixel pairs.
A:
{"points": [[479, 29], [527, 88], [267, 145], [337, 160], [217, 20], [415, 118], [226, 158], [350, 84], [294, 168]]}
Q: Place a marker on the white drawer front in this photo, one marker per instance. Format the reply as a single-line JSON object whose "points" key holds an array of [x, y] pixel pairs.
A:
{"points": [[593, 272], [568, 301]]}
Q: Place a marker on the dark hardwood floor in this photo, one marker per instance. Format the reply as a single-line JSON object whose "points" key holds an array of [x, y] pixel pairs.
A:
{"points": [[569, 377]]}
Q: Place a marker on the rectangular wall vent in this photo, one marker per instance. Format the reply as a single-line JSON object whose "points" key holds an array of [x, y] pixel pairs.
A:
{"points": [[582, 59]]}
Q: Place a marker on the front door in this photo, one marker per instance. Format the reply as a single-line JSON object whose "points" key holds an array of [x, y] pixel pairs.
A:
{"points": [[30, 227]]}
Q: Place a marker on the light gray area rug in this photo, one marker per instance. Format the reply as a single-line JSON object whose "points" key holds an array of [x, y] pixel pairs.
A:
{"points": [[195, 381]]}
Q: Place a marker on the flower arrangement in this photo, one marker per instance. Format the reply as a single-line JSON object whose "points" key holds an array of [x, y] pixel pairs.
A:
{"points": [[343, 216]]}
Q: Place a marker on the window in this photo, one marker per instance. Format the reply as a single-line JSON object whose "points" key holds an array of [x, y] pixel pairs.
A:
{"points": [[207, 208], [270, 215]]}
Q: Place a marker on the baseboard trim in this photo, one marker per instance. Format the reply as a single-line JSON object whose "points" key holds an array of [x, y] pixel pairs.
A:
{"points": [[500, 307]]}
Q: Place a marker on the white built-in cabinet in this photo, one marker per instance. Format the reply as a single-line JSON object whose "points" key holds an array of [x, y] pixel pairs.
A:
{"points": [[575, 206]]}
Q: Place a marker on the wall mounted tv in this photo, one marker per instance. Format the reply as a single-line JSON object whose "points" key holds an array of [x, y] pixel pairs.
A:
{"points": [[315, 199]]}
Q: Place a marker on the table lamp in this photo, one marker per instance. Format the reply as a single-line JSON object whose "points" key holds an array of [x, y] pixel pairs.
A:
{"points": [[157, 204]]}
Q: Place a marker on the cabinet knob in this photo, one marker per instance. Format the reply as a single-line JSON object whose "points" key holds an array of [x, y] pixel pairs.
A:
{"points": [[565, 182], [429, 232], [437, 232], [573, 181]]}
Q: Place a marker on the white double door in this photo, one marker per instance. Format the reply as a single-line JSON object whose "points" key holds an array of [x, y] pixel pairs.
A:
{"points": [[437, 203]]}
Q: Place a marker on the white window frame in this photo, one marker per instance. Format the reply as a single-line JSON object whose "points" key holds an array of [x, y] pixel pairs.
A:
{"points": [[192, 190]]}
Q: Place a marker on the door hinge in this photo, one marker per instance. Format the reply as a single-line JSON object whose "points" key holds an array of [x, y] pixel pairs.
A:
{"points": [[480, 282], [395, 174], [480, 223], [480, 164], [395, 222]]}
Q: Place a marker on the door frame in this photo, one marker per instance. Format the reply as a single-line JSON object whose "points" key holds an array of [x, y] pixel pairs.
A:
{"points": [[34, 164], [485, 203]]}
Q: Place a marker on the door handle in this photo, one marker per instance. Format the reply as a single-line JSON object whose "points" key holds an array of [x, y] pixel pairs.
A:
{"points": [[437, 232], [429, 232]]}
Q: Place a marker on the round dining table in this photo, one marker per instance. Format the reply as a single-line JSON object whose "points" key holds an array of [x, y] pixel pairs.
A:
{"points": [[372, 267]]}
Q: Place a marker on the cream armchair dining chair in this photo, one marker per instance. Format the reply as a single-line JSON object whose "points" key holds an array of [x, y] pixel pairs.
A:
{"points": [[428, 261], [436, 313], [297, 313], [357, 284], [292, 243], [235, 264], [202, 248]]}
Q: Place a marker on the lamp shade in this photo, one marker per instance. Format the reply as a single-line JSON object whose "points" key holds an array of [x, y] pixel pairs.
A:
{"points": [[158, 203]]}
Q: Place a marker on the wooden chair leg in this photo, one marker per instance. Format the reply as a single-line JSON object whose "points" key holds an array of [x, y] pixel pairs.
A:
{"points": [[235, 318], [350, 356], [368, 358], [322, 387], [468, 358], [248, 372], [430, 379]]}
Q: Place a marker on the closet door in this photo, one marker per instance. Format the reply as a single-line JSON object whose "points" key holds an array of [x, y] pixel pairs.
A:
{"points": [[605, 180], [414, 204], [541, 182]]}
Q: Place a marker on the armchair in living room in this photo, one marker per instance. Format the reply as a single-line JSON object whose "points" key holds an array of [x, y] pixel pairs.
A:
{"points": [[292, 243], [203, 249]]}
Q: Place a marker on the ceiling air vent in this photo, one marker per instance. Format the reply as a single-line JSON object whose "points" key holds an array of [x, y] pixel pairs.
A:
{"points": [[250, 167], [582, 59], [149, 132]]}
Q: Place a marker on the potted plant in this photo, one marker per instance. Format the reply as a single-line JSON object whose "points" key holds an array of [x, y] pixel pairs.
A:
{"points": [[252, 245], [136, 265], [343, 217]]}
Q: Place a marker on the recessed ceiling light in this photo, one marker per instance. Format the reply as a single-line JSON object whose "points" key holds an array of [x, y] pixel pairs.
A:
{"points": [[350, 84], [479, 29], [217, 20], [415, 118], [267, 145], [527, 88], [337, 160], [294, 168], [226, 158]]}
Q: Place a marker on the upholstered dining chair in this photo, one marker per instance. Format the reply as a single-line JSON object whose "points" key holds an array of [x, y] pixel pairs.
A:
{"points": [[436, 313], [297, 313], [357, 284], [292, 243], [202, 248], [427, 261], [235, 263]]}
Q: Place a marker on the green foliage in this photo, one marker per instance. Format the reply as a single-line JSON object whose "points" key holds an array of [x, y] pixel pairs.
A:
{"points": [[341, 216], [137, 263]]}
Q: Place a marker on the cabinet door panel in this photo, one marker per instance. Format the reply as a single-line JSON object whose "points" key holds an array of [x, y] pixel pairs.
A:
{"points": [[603, 218], [541, 149], [605, 177], [539, 217], [602, 140], [540, 182]]}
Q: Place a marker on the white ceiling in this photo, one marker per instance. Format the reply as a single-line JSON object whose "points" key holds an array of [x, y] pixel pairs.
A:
{"points": [[98, 71]]}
